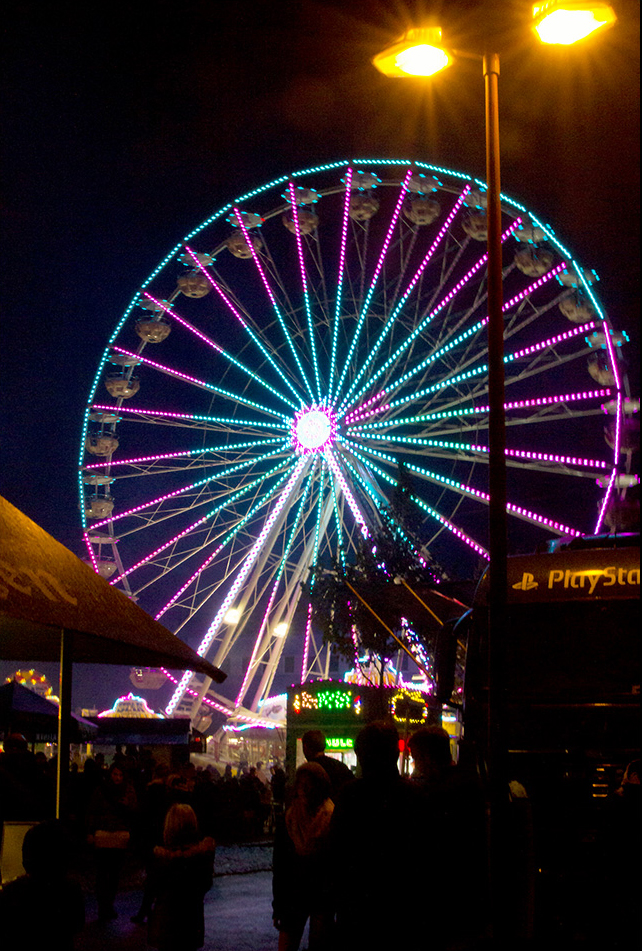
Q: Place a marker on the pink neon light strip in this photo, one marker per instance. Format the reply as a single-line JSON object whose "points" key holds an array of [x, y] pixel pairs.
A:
{"points": [[266, 284], [214, 346], [194, 525], [475, 410], [382, 257], [515, 453], [240, 579], [342, 264], [442, 231], [306, 644], [91, 551], [193, 693], [549, 400], [304, 282], [187, 488], [191, 379], [618, 423], [184, 454], [535, 285], [199, 571], [549, 342], [257, 642], [228, 421], [547, 457], [408, 290], [354, 508], [233, 310], [355, 416]]}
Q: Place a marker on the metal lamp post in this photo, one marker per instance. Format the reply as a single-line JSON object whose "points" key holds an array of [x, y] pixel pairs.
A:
{"points": [[420, 53]]}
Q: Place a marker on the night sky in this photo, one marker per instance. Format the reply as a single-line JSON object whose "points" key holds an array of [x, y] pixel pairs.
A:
{"points": [[126, 124]]}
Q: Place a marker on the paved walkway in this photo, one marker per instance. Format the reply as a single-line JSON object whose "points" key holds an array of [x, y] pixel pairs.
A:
{"points": [[238, 909]]}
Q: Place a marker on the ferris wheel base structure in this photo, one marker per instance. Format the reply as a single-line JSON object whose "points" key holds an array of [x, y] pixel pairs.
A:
{"points": [[295, 352]]}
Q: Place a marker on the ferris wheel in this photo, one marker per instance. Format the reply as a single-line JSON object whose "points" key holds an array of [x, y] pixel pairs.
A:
{"points": [[254, 404]]}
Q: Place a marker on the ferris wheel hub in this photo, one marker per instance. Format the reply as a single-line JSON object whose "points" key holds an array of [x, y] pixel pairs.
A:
{"points": [[313, 429]]}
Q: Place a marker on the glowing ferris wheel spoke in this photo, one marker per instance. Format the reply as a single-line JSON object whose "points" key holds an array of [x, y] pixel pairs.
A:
{"points": [[540, 346], [240, 579], [228, 501], [270, 293], [186, 453], [304, 282], [475, 448], [618, 418], [218, 349], [229, 537], [194, 485], [342, 265], [409, 340], [246, 327], [406, 294], [292, 534], [466, 335], [527, 515], [234, 397], [347, 492], [424, 506], [314, 561], [537, 402], [191, 417], [375, 278]]}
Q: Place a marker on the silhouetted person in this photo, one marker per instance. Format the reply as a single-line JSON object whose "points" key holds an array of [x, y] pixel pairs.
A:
{"points": [[300, 883], [24, 786], [110, 819], [455, 829], [313, 743], [42, 907], [182, 874], [379, 850]]}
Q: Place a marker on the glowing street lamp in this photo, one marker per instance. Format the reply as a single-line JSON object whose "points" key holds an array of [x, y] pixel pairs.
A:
{"points": [[565, 22], [418, 53]]}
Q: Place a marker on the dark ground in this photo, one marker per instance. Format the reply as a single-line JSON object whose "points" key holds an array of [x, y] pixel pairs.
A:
{"points": [[238, 908]]}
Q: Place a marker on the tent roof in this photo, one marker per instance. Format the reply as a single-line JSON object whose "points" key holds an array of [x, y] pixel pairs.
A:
{"points": [[45, 588]]}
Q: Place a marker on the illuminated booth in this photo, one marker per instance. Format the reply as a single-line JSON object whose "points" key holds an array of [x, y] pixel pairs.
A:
{"points": [[341, 709]]}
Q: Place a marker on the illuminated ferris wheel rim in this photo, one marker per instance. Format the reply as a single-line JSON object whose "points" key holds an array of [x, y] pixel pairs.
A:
{"points": [[324, 427]]}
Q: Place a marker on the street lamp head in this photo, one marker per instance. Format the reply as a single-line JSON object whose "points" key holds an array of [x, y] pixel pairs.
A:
{"points": [[564, 22], [418, 53]]}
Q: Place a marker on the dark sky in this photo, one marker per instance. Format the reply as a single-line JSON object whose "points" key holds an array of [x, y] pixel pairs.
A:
{"points": [[126, 124]]}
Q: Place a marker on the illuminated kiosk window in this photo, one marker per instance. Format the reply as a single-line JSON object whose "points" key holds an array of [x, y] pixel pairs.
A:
{"points": [[313, 429], [326, 700], [339, 743]]}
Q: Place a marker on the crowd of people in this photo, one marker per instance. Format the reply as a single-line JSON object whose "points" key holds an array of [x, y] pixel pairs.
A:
{"points": [[132, 809], [373, 860]]}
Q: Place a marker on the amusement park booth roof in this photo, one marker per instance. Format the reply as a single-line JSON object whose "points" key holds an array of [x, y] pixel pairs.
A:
{"points": [[24, 711], [53, 607]]}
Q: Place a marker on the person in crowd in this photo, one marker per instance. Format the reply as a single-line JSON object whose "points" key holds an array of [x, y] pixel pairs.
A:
{"points": [[110, 819], [182, 875], [25, 791], [455, 807], [154, 805], [44, 897], [380, 851], [252, 802], [278, 783], [313, 743], [301, 881]]}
